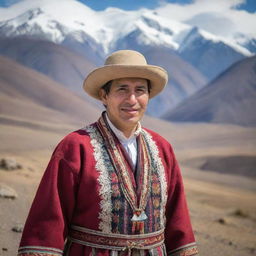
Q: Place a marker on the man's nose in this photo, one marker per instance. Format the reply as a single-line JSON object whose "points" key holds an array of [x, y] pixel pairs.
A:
{"points": [[131, 97]]}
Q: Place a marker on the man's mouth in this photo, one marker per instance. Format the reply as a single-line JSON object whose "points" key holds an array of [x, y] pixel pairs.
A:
{"points": [[130, 110]]}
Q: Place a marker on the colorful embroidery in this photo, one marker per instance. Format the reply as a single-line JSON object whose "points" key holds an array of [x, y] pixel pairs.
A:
{"points": [[112, 241], [186, 250], [102, 165], [39, 251], [158, 176], [137, 199], [37, 254], [116, 212], [158, 251]]}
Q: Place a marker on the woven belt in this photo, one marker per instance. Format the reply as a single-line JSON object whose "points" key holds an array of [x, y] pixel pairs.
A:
{"points": [[98, 239]]}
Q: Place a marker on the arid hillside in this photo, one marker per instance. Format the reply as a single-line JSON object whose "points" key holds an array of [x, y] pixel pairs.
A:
{"points": [[230, 98]]}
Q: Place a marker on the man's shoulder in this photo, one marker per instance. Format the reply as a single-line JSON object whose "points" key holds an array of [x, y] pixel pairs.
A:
{"points": [[164, 147], [162, 143], [73, 145], [156, 136], [77, 134], [76, 137]]}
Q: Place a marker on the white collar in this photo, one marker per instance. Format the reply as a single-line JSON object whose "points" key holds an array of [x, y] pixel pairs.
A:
{"points": [[119, 134]]}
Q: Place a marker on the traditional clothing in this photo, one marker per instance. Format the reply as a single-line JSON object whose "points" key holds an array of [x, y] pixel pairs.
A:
{"points": [[91, 201]]}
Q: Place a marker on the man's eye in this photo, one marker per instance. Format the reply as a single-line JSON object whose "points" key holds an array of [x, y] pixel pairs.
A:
{"points": [[141, 89]]}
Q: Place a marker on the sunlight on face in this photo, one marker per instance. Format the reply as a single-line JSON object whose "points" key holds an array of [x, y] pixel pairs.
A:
{"points": [[126, 102]]}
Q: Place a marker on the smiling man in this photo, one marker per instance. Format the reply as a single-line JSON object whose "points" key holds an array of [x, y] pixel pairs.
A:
{"points": [[126, 102], [113, 188]]}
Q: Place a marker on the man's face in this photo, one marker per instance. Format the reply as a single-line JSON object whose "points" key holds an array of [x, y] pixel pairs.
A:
{"points": [[126, 101]]}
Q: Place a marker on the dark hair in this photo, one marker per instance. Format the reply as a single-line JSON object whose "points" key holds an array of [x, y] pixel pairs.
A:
{"points": [[106, 87]]}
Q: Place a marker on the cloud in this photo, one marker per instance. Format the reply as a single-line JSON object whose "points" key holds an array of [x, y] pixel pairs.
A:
{"points": [[183, 12], [218, 17]]}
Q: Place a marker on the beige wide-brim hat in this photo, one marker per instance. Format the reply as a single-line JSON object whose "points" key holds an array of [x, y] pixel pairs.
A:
{"points": [[125, 64]]}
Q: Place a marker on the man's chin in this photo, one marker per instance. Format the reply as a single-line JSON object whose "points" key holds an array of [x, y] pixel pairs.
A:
{"points": [[131, 119]]}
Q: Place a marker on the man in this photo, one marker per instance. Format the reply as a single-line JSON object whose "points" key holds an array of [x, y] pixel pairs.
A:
{"points": [[113, 188]]}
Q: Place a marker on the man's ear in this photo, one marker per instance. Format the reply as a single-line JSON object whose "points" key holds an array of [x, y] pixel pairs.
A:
{"points": [[103, 96]]}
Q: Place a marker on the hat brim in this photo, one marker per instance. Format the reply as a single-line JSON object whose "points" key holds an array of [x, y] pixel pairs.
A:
{"points": [[157, 76]]}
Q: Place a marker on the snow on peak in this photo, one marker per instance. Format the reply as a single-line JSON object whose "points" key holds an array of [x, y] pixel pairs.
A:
{"points": [[54, 5], [228, 42], [196, 33], [105, 27]]}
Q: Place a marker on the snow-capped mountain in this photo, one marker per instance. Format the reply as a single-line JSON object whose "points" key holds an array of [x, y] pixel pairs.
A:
{"points": [[46, 23], [105, 30], [209, 53], [189, 54]]}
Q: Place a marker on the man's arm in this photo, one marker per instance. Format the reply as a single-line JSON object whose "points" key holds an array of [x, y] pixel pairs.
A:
{"points": [[46, 227], [179, 237]]}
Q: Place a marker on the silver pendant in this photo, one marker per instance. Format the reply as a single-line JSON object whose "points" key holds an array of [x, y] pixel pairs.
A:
{"points": [[142, 216]]}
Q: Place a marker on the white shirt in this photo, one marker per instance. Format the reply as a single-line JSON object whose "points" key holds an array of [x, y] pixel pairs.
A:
{"points": [[129, 144]]}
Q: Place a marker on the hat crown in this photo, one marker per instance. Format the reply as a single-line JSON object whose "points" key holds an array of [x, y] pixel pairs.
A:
{"points": [[126, 57]]}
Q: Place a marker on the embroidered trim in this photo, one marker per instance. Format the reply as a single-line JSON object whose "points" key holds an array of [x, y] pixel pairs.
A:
{"points": [[105, 215], [186, 250], [39, 251], [161, 173], [122, 169], [110, 202], [113, 241], [37, 254], [158, 251]]}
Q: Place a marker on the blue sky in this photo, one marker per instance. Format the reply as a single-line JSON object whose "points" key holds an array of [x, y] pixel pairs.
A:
{"points": [[128, 4], [249, 5]]}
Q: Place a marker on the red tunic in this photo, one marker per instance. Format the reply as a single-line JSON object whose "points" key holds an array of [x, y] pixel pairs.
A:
{"points": [[80, 187]]}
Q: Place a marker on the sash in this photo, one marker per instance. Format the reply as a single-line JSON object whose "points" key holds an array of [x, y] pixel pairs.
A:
{"points": [[118, 242], [136, 197]]}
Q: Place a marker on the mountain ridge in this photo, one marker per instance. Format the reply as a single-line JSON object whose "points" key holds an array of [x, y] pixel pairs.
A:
{"points": [[30, 95], [69, 69], [103, 30], [230, 98]]}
